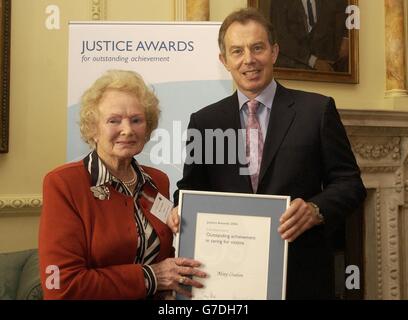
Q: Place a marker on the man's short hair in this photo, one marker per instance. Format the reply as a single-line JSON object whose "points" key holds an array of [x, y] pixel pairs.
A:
{"points": [[243, 16]]}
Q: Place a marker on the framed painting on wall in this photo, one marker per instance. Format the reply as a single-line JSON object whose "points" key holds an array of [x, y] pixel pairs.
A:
{"points": [[318, 39], [5, 13]]}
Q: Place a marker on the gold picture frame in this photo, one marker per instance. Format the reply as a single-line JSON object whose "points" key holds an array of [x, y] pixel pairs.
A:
{"points": [[5, 16], [287, 20]]}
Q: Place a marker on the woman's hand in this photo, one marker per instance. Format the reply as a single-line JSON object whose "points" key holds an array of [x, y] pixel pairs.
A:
{"points": [[173, 273], [173, 220]]}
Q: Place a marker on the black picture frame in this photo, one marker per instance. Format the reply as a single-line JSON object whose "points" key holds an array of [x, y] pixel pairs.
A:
{"points": [[5, 25]]}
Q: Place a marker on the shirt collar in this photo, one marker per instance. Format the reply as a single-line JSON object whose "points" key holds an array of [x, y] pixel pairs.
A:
{"points": [[266, 97], [100, 174]]}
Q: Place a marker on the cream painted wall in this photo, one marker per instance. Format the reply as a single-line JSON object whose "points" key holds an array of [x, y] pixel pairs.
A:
{"points": [[18, 232], [37, 110], [131, 10], [39, 82], [38, 94], [220, 9]]}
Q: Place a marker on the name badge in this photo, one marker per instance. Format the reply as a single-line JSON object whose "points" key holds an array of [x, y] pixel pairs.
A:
{"points": [[161, 207]]}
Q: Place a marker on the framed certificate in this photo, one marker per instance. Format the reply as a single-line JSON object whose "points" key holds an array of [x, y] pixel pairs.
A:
{"points": [[235, 237]]}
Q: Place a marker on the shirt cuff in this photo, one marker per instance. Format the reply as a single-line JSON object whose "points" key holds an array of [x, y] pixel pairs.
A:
{"points": [[312, 61], [150, 280]]}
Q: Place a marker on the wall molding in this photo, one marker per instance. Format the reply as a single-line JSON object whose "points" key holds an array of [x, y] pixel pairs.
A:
{"points": [[379, 140], [379, 149], [378, 244], [393, 251], [98, 9], [180, 10], [20, 203]]}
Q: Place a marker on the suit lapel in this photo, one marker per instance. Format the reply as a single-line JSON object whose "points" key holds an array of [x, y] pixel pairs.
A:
{"points": [[234, 106], [299, 11], [281, 118]]}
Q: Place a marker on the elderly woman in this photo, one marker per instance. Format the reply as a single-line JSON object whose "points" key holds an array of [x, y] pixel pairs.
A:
{"points": [[98, 238]]}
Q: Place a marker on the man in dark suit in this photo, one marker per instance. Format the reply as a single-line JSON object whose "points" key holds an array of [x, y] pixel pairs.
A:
{"points": [[311, 34], [305, 153]]}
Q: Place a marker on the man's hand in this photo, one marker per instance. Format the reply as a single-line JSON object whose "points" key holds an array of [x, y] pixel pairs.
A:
{"points": [[299, 217], [173, 220]]}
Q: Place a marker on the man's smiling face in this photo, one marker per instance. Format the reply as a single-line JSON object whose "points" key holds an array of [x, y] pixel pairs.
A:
{"points": [[249, 57]]}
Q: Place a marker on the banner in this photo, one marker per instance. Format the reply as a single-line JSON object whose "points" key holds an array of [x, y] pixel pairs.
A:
{"points": [[179, 60]]}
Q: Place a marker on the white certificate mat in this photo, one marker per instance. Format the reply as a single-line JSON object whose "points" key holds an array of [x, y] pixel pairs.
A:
{"points": [[235, 249]]}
